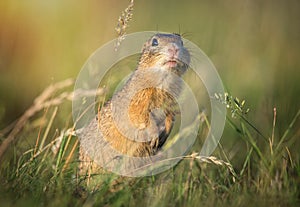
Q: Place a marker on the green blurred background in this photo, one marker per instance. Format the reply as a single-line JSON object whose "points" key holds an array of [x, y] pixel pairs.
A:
{"points": [[253, 44]]}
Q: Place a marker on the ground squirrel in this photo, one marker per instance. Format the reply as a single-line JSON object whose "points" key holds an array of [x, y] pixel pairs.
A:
{"points": [[138, 119]]}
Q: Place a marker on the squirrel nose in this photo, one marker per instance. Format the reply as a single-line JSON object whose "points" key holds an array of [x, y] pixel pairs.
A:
{"points": [[173, 50]]}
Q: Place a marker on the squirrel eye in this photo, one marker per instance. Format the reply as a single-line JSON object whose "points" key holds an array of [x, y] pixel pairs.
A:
{"points": [[154, 42]]}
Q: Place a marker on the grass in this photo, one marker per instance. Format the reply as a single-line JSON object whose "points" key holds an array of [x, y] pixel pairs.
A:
{"points": [[44, 173]]}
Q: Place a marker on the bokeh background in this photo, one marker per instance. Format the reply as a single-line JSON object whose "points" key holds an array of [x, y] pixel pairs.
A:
{"points": [[253, 44]]}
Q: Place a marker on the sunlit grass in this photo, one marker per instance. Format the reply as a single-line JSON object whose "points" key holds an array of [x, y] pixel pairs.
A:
{"points": [[46, 173]]}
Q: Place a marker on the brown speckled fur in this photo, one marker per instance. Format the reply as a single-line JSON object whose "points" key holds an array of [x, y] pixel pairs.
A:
{"points": [[140, 106]]}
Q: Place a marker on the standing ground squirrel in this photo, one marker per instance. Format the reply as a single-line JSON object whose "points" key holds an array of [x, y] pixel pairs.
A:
{"points": [[138, 119]]}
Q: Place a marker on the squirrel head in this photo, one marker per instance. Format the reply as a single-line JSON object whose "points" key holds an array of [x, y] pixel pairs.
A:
{"points": [[165, 52]]}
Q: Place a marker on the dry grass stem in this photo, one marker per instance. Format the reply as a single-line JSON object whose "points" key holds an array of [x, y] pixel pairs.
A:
{"points": [[212, 160], [40, 103], [123, 21], [43, 101]]}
